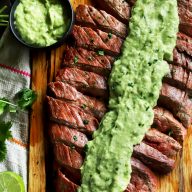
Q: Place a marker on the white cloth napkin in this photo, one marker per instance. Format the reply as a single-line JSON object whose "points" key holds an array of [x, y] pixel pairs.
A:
{"points": [[15, 74]]}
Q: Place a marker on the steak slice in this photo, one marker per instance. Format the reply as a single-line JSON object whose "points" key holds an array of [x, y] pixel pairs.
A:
{"points": [[68, 157], [70, 137], [178, 102], [153, 158], [87, 60], [142, 178], [184, 43], [88, 16], [63, 184], [96, 40], [179, 77], [182, 59], [120, 9], [185, 16], [166, 123], [71, 116], [66, 92], [83, 81], [163, 143]]}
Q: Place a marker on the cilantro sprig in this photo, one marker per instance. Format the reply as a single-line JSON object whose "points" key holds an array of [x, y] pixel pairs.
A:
{"points": [[3, 17], [24, 99]]}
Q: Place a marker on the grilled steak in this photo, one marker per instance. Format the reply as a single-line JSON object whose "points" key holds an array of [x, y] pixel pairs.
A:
{"points": [[177, 102], [63, 184], [182, 59], [142, 178], [83, 81], [88, 60], [179, 77], [184, 43], [153, 158], [120, 9], [163, 143], [166, 123], [96, 40], [185, 16], [68, 157], [88, 16], [71, 116], [66, 92], [68, 136]]}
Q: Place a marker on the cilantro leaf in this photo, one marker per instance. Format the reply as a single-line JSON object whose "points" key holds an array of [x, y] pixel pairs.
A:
{"points": [[25, 98], [5, 134], [3, 151], [5, 105]]}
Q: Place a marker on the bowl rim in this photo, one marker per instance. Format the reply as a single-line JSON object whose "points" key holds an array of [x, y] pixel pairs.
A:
{"points": [[56, 44]]}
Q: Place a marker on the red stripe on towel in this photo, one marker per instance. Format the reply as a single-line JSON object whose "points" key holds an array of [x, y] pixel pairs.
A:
{"points": [[26, 74]]}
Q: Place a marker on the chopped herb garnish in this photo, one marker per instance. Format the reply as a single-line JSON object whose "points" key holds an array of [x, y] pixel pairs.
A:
{"points": [[100, 53], [76, 59], [83, 106], [85, 122], [92, 40], [75, 138], [110, 35], [90, 58], [170, 132]]}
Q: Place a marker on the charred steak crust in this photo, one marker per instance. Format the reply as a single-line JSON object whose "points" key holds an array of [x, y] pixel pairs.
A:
{"points": [[67, 136], [166, 123], [119, 9], [87, 60], [63, 184], [163, 143], [71, 116], [142, 178], [182, 59], [83, 81], [64, 91], [153, 158], [96, 40], [179, 77], [178, 102], [88, 16]]}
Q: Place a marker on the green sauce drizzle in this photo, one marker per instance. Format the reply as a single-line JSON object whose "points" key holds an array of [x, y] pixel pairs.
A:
{"points": [[135, 83]]}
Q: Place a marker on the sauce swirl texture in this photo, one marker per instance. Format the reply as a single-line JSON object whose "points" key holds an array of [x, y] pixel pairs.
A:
{"points": [[135, 83]]}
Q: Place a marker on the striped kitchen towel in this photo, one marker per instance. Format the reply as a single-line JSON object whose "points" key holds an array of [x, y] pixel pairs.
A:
{"points": [[15, 74]]}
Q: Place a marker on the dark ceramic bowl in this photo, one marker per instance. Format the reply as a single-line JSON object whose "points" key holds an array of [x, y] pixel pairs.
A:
{"points": [[70, 16]]}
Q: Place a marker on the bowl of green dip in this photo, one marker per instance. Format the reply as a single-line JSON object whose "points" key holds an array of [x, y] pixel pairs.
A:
{"points": [[41, 23]]}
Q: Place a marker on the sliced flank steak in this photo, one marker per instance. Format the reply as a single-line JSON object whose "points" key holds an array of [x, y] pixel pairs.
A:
{"points": [[88, 60], [142, 178], [71, 116], [68, 136], [64, 91], [120, 9], [83, 81], [163, 143], [96, 40], [63, 184], [67, 156], [182, 59], [178, 102], [185, 16], [184, 43], [88, 16], [166, 123], [153, 158], [179, 77]]}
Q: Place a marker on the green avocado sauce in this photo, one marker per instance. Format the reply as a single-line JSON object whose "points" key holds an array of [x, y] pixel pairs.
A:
{"points": [[135, 83], [41, 22]]}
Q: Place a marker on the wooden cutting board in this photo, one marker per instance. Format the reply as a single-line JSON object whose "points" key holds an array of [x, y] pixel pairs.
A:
{"points": [[45, 64]]}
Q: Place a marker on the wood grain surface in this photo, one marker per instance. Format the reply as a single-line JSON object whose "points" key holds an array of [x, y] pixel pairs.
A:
{"points": [[45, 65]]}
